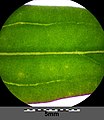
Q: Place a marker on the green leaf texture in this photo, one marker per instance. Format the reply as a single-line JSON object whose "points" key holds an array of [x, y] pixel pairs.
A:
{"points": [[48, 53]]}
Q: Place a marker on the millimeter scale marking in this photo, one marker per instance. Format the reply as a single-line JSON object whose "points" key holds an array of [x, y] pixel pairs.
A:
{"points": [[52, 110]]}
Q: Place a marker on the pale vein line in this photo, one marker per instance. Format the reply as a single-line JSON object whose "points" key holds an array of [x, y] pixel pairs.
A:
{"points": [[45, 24], [28, 23], [32, 85], [51, 53]]}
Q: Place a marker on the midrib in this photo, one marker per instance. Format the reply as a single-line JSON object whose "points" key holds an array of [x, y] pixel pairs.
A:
{"points": [[51, 53]]}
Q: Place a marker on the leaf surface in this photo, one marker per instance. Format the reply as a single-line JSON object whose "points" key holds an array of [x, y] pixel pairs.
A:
{"points": [[47, 53]]}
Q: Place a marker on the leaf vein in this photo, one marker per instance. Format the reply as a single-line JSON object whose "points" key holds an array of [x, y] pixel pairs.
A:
{"points": [[32, 85], [52, 53], [46, 24]]}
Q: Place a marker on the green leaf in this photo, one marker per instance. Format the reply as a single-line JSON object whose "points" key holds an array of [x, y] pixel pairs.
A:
{"points": [[47, 53]]}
